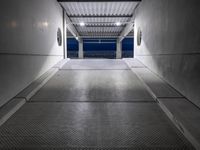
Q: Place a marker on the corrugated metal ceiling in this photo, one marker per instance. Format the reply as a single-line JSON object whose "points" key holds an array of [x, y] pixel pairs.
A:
{"points": [[99, 8], [99, 17]]}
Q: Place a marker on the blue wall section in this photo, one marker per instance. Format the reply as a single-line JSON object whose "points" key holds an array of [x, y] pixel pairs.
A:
{"points": [[100, 48], [127, 47], [95, 45], [72, 48]]}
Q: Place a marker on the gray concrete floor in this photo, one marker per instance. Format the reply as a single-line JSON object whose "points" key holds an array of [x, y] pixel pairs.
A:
{"points": [[93, 85], [92, 104]]}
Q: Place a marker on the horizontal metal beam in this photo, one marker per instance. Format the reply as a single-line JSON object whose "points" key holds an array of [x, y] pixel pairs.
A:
{"points": [[102, 26], [99, 33], [99, 0], [129, 26], [100, 16], [70, 27], [96, 34], [93, 37], [126, 31], [100, 42]]}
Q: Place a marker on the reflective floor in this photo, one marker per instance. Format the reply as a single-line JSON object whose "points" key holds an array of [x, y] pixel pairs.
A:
{"points": [[93, 85], [92, 104]]}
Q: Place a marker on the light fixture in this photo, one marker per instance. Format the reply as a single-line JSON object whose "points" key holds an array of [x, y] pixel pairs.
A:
{"points": [[76, 38], [139, 36], [82, 24], [118, 23]]}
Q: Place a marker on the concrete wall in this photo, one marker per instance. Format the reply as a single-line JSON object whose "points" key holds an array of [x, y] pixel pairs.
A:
{"points": [[28, 42], [171, 42]]}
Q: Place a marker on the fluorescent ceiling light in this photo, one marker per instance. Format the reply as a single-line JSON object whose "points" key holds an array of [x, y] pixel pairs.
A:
{"points": [[118, 23], [82, 24]]}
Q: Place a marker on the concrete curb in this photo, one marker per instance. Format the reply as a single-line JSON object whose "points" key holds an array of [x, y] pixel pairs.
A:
{"points": [[180, 125], [28, 92], [7, 110], [133, 63], [60, 64], [35, 86], [175, 119]]}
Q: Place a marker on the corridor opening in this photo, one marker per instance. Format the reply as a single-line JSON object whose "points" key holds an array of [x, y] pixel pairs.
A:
{"points": [[100, 48], [102, 29]]}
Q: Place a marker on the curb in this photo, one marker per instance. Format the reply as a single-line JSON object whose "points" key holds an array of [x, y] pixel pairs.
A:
{"points": [[7, 110]]}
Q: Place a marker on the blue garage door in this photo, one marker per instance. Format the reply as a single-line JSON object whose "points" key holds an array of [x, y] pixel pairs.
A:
{"points": [[127, 47], [99, 48], [72, 48]]}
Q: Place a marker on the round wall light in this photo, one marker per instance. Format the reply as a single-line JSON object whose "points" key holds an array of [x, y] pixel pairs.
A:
{"points": [[59, 37]]}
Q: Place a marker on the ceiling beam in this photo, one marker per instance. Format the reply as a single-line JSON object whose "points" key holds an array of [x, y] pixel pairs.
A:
{"points": [[100, 16], [129, 26], [70, 26], [102, 26], [98, 36], [99, 32], [126, 31], [72, 29], [99, 0], [88, 36]]}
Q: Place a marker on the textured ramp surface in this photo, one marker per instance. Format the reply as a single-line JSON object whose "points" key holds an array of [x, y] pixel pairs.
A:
{"points": [[91, 125], [158, 86], [186, 114], [88, 64], [94, 85]]}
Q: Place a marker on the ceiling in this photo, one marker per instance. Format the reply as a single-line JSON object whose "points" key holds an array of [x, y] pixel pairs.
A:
{"points": [[100, 17]]}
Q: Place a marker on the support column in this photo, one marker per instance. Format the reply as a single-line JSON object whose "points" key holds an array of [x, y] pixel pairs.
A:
{"points": [[64, 34], [80, 51], [119, 50]]}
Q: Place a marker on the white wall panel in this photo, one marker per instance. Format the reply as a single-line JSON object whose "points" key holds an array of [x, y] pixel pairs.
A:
{"points": [[28, 42], [171, 42]]}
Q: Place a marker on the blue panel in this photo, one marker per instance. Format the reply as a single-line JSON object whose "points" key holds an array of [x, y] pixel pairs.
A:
{"points": [[72, 48], [99, 48], [127, 47]]}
